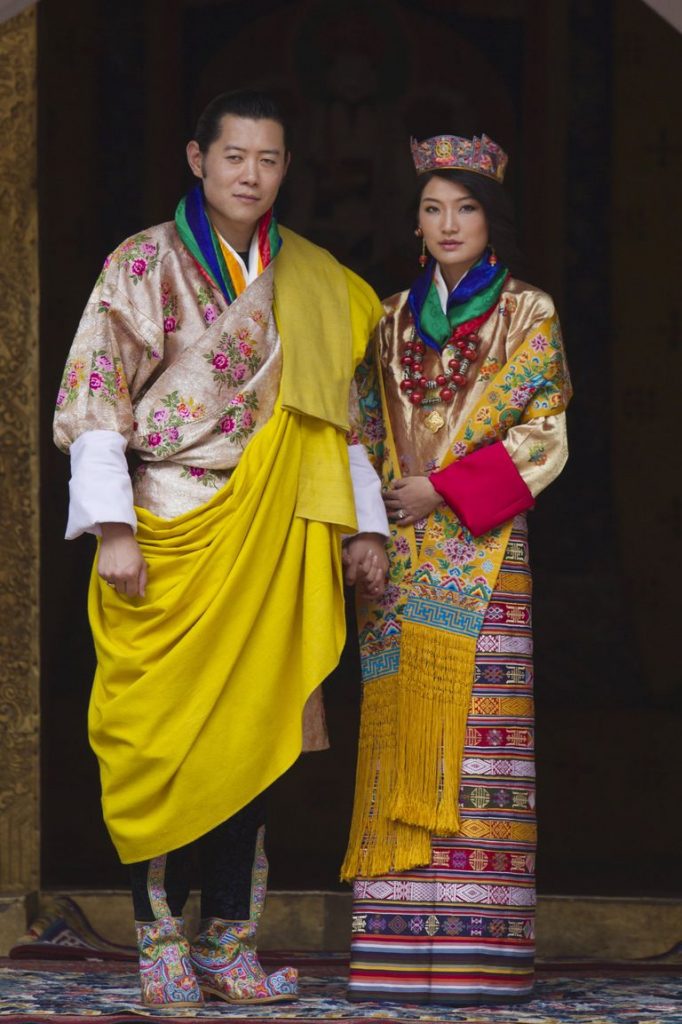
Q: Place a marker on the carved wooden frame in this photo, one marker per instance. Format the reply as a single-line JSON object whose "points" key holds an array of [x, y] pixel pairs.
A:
{"points": [[19, 466]]}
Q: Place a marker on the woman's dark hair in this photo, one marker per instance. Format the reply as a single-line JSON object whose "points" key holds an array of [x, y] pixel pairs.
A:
{"points": [[498, 208], [257, 106]]}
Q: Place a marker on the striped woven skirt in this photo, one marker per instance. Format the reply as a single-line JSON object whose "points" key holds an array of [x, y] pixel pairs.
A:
{"points": [[461, 931]]}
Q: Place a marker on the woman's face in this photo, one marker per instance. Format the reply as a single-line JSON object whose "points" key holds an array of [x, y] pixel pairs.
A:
{"points": [[454, 225]]}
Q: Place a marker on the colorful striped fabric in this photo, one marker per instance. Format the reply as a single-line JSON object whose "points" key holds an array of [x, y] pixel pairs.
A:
{"points": [[215, 258], [461, 932]]}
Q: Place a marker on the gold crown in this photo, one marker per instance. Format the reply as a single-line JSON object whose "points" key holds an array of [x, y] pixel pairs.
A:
{"points": [[451, 152]]}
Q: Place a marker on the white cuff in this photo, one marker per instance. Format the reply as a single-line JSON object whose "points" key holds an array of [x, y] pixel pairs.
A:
{"points": [[100, 488], [369, 506]]}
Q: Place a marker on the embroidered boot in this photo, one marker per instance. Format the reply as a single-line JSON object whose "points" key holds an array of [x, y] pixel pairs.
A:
{"points": [[166, 975], [227, 966]]}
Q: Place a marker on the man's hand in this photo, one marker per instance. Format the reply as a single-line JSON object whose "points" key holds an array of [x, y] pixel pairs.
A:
{"points": [[366, 564], [120, 562], [411, 499]]}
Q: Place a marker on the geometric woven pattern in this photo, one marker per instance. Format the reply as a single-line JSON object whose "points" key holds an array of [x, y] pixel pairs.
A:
{"points": [[461, 931]]}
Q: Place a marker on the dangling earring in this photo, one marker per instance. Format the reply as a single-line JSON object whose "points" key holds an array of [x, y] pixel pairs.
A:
{"points": [[492, 259], [423, 258]]}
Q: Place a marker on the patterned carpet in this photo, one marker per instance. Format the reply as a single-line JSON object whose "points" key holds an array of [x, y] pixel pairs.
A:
{"points": [[72, 992]]}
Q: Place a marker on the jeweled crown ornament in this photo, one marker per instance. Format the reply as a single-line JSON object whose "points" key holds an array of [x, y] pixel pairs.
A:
{"points": [[453, 153]]}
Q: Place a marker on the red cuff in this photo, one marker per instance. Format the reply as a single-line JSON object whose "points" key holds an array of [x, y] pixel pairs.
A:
{"points": [[483, 489]]}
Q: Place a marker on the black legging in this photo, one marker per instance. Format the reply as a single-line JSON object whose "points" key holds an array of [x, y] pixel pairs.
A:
{"points": [[226, 856]]}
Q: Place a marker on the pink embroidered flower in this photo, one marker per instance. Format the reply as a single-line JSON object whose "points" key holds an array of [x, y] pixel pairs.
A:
{"points": [[173, 433], [227, 425], [521, 395], [104, 362], [247, 419], [153, 440], [155, 354], [245, 349], [390, 596], [401, 545], [210, 314], [239, 372], [61, 397], [161, 415], [138, 267], [148, 248], [184, 410], [106, 264], [95, 381], [72, 379], [220, 361], [458, 551], [169, 325], [539, 343], [238, 399], [127, 246], [197, 471], [198, 412], [459, 449]]}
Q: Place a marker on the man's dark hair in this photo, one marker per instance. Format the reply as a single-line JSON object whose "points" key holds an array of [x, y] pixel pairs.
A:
{"points": [[498, 207], [257, 106]]}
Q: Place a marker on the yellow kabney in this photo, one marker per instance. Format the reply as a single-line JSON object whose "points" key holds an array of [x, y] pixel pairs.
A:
{"points": [[200, 686]]}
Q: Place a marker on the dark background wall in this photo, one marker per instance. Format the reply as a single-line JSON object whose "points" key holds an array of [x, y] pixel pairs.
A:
{"points": [[584, 95]]}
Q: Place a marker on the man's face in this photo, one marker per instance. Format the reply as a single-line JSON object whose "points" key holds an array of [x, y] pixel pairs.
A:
{"points": [[242, 171]]}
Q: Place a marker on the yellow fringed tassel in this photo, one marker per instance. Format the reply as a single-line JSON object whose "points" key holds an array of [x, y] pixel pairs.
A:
{"points": [[378, 845], [434, 691]]}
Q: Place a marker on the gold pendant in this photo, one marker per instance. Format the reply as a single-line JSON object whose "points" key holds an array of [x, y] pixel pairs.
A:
{"points": [[434, 421]]}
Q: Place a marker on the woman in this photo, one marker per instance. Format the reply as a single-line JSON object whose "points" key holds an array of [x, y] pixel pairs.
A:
{"points": [[462, 406]]}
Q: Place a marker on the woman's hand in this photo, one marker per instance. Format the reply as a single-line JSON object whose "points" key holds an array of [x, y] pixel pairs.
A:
{"points": [[120, 562], [365, 564], [411, 499]]}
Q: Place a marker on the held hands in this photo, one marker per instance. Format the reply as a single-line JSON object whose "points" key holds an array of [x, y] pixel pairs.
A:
{"points": [[366, 563], [120, 562], [411, 499]]}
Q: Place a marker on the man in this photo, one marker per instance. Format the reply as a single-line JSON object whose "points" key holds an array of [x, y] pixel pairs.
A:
{"points": [[221, 365]]}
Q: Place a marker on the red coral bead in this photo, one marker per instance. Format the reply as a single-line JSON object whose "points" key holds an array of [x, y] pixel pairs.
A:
{"points": [[454, 364], [446, 394], [461, 344], [417, 397], [423, 383], [459, 379], [406, 385], [441, 380], [419, 346], [406, 361], [470, 353], [472, 338]]}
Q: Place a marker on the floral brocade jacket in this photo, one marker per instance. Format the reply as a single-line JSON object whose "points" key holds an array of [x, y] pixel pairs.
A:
{"points": [[538, 447], [160, 358]]}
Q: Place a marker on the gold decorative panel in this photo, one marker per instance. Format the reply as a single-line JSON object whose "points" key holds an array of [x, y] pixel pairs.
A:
{"points": [[19, 539]]}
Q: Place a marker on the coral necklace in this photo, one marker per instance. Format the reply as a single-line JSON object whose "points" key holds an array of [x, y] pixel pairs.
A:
{"points": [[423, 390]]}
